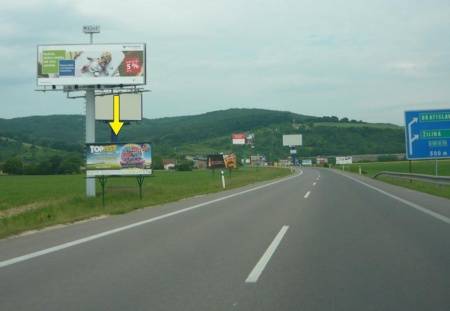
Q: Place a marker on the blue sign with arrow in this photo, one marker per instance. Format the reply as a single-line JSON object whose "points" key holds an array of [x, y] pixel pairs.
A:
{"points": [[427, 134]]}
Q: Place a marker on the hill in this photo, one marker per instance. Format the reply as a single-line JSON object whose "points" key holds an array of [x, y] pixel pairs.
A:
{"points": [[210, 132]]}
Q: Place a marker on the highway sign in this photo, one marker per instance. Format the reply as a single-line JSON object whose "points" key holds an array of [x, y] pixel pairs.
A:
{"points": [[427, 134]]}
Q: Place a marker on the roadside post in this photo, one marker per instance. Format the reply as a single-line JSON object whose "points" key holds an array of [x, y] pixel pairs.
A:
{"points": [[223, 179], [359, 170]]}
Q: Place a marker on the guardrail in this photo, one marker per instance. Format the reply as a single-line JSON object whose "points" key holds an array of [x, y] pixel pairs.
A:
{"points": [[442, 180]]}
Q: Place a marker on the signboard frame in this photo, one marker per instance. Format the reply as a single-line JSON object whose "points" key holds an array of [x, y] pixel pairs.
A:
{"points": [[91, 173], [125, 114], [291, 140], [82, 85], [412, 117]]}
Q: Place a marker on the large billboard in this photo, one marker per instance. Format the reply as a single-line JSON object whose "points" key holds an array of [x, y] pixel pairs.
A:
{"points": [[292, 140], [427, 134], [91, 64], [239, 138], [215, 161], [122, 159]]}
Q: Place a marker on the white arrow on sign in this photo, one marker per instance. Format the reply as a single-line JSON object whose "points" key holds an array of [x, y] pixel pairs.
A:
{"points": [[412, 138]]}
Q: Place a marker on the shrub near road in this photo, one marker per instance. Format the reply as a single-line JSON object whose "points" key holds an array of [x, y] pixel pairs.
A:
{"points": [[33, 202]]}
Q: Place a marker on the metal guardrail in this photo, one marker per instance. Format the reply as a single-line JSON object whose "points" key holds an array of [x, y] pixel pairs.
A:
{"points": [[442, 180]]}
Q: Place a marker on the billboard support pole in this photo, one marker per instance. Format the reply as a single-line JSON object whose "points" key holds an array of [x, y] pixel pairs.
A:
{"points": [[140, 180], [90, 134]]}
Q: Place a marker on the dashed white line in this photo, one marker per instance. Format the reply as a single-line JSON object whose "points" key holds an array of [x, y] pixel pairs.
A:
{"points": [[60, 247], [307, 194], [314, 183], [262, 263]]}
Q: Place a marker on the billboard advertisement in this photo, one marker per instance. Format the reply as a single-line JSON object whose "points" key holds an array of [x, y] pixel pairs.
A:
{"points": [[91, 64], [230, 161], [130, 107], [215, 161], [344, 160], [292, 140], [121, 159], [238, 138], [307, 162]]}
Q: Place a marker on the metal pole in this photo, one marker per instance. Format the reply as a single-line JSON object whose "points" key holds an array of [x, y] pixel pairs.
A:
{"points": [[90, 134]]}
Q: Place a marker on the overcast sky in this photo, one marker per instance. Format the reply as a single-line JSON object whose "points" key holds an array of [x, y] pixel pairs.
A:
{"points": [[368, 60]]}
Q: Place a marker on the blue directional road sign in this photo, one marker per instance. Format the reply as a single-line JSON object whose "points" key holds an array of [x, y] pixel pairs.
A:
{"points": [[427, 134]]}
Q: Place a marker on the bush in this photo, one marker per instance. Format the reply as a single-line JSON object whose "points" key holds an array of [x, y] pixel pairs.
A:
{"points": [[13, 166], [184, 165]]}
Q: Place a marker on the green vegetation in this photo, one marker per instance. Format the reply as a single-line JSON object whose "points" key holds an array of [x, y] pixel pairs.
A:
{"points": [[418, 167], [33, 202], [211, 133]]}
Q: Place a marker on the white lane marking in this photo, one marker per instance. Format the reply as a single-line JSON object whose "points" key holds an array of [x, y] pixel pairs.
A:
{"points": [[262, 263], [314, 183], [56, 248], [307, 194], [409, 203]]}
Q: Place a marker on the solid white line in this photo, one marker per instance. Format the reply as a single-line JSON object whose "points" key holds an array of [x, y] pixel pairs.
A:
{"points": [[409, 203], [262, 263], [56, 248], [307, 194]]}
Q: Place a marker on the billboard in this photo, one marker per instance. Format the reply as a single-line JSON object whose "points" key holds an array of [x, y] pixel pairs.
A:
{"points": [[238, 138], [307, 162], [292, 140], [230, 161], [91, 64], [130, 107], [427, 134], [121, 159], [215, 161], [344, 160]]}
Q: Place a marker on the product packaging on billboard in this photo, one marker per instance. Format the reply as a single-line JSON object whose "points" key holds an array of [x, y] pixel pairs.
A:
{"points": [[122, 159], [215, 161], [93, 64]]}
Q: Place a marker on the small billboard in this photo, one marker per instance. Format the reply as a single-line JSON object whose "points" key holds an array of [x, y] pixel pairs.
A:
{"points": [[230, 161], [292, 140], [130, 107], [215, 161], [307, 162], [238, 138], [91, 64], [122, 159], [344, 160]]}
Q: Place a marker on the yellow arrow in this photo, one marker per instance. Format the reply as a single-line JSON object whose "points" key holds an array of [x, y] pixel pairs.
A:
{"points": [[116, 125]]}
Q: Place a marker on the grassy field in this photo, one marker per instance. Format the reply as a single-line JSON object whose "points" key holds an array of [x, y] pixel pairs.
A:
{"points": [[419, 167], [33, 202], [350, 125]]}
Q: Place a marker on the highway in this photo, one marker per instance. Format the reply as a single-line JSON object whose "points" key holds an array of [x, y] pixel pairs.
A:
{"points": [[319, 240]]}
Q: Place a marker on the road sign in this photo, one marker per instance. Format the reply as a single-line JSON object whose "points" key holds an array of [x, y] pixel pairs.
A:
{"points": [[427, 134]]}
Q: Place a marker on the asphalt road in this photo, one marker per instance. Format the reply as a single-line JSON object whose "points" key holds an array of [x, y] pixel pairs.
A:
{"points": [[332, 242]]}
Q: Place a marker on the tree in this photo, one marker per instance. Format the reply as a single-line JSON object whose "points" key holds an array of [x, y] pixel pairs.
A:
{"points": [[13, 166]]}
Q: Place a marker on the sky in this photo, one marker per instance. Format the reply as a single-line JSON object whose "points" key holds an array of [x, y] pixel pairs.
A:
{"points": [[365, 60]]}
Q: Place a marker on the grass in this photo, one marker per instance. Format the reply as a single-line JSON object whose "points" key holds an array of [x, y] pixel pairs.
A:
{"points": [[34, 202], [352, 125], [419, 167]]}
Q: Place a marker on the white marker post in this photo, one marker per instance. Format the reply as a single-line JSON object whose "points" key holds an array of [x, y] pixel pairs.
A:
{"points": [[223, 179]]}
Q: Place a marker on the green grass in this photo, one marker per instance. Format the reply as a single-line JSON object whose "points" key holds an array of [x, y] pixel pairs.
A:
{"points": [[34, 202], [351, 125], [419, 167]]}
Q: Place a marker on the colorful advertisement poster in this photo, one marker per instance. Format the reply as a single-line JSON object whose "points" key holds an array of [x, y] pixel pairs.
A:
{"points": [[93, 64], [230, 161], [124, 159]]}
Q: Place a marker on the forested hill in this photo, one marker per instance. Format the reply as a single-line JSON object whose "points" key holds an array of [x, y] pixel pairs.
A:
{"points": [[211, 132]]}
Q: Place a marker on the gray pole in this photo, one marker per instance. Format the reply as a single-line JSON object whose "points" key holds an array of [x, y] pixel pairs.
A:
{"points": [[90, 134]]}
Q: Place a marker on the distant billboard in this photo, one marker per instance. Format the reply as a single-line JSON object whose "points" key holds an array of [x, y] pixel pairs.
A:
{"points": [[344, 160], [292, 140], [123, 159], [238, 138], [307, 162], [215, 161], [130, 107], [230, 161], [91, 64]]}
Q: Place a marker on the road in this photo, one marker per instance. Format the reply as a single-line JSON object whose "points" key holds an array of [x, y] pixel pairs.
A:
{"points": [[321, 240]]}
